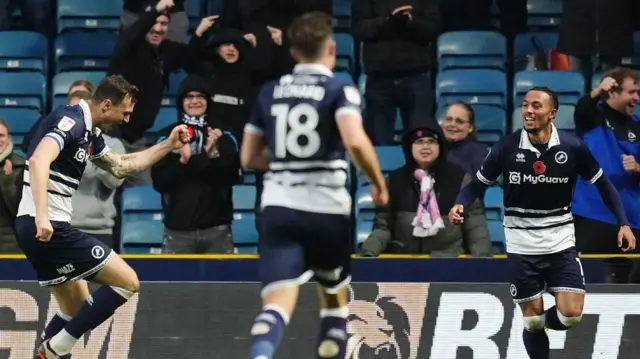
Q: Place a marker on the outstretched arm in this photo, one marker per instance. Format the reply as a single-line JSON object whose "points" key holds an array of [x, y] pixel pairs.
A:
{"points": [[123, 165]]}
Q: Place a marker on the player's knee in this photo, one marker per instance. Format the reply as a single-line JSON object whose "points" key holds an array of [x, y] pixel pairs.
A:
{"points": [[534, 323], [570, 317], [131, 283]]}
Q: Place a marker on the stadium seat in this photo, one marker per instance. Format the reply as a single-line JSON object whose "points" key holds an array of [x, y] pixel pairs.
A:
{"points": [[364, 205], [524, 45], [247, 250], [345, 56], [342, 14], [62, 81], [243, 226], [19, 120], [141, 218], [22, 89], [493, 203], [83, 14], [195, 12], [471, 49], [84, 51], [496, 234], [568, 85], [344, 75], [363, 230], [544, 13], [167, 116], [175, 79], [23, 51], [474, 86]]}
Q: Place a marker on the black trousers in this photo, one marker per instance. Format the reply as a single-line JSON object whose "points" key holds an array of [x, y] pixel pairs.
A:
{"points": [[595, 237]]}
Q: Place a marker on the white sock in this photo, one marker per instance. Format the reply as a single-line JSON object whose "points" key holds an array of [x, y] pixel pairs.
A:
{"points": [[62, 343]]}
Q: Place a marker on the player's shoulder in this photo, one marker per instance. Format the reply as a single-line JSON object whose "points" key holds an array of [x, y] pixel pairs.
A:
{"points": [[67, 118], [569, 139]]}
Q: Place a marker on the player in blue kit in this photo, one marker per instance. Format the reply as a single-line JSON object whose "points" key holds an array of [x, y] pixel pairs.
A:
{"points": [[298, 132], [540, 166], [62, 256]]}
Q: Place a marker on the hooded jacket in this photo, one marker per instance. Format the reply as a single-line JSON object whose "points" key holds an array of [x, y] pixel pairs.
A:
{"points": [[198, 194], [232, 92], [148, 68], [393, 231]]}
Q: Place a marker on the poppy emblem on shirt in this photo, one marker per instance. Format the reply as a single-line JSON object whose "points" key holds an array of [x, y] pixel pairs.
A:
{"points": [[190, 131], [539, 167]]}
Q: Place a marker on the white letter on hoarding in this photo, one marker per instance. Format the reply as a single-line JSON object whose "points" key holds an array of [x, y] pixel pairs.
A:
{"points": [[611, 308], [448, 335], [516, 348], [121, 324], [20, 343]]}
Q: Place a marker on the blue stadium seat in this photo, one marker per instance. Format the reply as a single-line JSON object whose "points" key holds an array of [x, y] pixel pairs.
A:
{"points": [[474, 86], [364, 205], [23, 51], [195, 11], [568, 85], [363, 230], [247, 249], [544, 13], [471, 49], [524, 45], [84, 51], [493, 203], [344, 75], [249, 177], [175, 79], [167, 116], [564, 118], [496, 234], [20, 121], [62, 81], [83, 14], [342, 13], [345, 55], [22, 89], [491, 123], [141, 218], [243, 226], [390, 157]]}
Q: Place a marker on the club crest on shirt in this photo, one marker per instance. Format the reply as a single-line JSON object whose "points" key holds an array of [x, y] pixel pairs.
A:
{"points": [[66, 124]]}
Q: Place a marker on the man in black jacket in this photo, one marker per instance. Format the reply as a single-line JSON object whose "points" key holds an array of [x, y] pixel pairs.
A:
{"points": [[196, 181], [397, 37], [145, 58], [178, 23]]}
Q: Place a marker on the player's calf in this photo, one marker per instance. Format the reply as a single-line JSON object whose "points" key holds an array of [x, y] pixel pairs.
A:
{"points": [[332, 339], [534, 336], [120, 284], [268, 328]]}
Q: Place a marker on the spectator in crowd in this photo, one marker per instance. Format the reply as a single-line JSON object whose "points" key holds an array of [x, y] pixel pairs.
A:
{"points": [[264, 24], [604, 118], [178, 19], [397, 37], [420, 195], [144, 57], [74, 94], [225, 65], [476, 15], [36, 14], [196, 181], [10, 190], [93, 202], [604, 29], [459, 127]]}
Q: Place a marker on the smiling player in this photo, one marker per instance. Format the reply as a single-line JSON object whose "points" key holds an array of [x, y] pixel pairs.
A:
{"points": [[540, 166]]}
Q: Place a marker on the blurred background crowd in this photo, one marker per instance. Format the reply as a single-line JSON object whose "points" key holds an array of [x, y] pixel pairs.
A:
{"points": [[456, 70]]}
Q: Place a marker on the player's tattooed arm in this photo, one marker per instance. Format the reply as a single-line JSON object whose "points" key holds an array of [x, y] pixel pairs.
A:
{"points": [[123, 165]]}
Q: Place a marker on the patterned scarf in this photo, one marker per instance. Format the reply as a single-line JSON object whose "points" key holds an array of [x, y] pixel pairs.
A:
{"points": [[198, 132], [427, 221]]}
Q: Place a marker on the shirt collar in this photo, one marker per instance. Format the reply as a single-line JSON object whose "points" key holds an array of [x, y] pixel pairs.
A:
{"points": [[315, 69], [86, 112], [525, 143]]}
